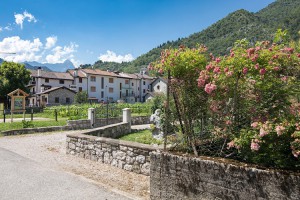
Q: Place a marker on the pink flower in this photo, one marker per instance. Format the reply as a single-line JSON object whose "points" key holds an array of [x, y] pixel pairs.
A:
{"points": [[218, 60], [256, 66], [230, 144], [209, 67], [275, 56], [201, 82], [257, 48], [254, 58], [232, 55], [298, 55], [250, 51], [276, 68], [209, 88], [254, 124], [279, 130], [217, 70], [245, 70], [262, 71], [284, 79], [263, 132], [228, 122], [160, 71], [230, 73], [226, 69], [255, 145], [270, 49]]}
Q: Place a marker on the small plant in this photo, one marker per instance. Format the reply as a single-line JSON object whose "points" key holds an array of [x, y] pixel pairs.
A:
{"points": [[27, 124]]}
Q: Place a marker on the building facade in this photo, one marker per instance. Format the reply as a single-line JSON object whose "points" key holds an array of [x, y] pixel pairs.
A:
{"points": [[101, 86]]}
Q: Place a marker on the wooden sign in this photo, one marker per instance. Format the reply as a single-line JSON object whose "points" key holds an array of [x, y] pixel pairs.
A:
{"points": [[18, 98]]}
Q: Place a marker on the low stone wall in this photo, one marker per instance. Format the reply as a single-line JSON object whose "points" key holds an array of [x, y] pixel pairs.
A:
{"points": [[177, 177], [36, 130], [129, 156], [105, 122], [79, 124], [140, 120]]}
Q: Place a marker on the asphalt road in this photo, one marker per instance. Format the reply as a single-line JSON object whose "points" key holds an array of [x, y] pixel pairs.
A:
{"points": [[22, 178]]}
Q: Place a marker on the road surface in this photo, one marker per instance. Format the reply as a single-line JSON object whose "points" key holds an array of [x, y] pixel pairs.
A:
{"points": [[22, 178]]}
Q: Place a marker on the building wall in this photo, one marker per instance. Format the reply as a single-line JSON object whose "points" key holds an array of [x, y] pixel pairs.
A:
{"points": [[62, 94], [159, 86]]}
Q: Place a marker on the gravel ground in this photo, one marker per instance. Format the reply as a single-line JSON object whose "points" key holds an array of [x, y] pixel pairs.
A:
{"points": [[49, 150]]}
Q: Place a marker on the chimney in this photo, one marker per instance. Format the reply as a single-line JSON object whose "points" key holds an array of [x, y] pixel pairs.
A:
{"points": [[39, 71], [75, 73]]}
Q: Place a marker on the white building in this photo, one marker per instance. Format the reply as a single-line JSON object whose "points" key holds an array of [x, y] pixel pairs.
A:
{"points": [[157, 87], [101, 86], [44, 80]]}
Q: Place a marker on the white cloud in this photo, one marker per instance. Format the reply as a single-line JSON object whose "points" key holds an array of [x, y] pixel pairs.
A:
{"points": [[35, 50], [8, 28], [50, 42], [19, 18], [60, 54], [1, 29], [111, 56], [25, 50]]}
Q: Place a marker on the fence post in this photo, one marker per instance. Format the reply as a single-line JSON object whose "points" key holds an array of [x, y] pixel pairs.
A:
{"points": [[91, 116], [4, 115], [127, 117], [55, 114], [31, 114]]}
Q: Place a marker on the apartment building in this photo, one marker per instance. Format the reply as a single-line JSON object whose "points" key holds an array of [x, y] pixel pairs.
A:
{"points": [[41, 81], [101, 86]]}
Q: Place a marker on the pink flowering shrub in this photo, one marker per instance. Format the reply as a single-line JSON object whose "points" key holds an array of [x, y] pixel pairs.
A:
{"points": [[248, 99]]}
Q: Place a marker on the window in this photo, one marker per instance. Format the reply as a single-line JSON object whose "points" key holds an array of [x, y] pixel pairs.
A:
{"points": [[80, 89], [120, 86], [132, 84], [144, 90], [144, 82], [61, 82], [67, 100], [111, 80], [33, 78], [93, 78], [102, 82], [110, 90], [80, 80], [56, 99], [158, 87], [126, 81], [46, 80], [93, 89], [102, 94]]}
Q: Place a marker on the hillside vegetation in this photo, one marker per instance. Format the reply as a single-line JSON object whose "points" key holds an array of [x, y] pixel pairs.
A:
{"points": [[219, 37]]}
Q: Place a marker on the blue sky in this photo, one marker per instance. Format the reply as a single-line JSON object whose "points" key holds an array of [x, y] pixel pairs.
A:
{"points": [[85, 31]]}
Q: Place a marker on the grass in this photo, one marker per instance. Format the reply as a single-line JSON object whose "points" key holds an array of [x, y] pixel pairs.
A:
{"points": [[19, 125], [144, 137]]}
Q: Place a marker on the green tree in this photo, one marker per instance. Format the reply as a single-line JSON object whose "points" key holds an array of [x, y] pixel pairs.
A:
{"points": [[12, 76], [81, 97]]}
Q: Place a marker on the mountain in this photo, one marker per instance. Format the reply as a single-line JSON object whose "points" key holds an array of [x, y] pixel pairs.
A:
{"points": [[220, 36], [58, 67]]}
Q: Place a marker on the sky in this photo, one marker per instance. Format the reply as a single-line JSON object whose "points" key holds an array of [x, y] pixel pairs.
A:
{"points": [[85, 31]]}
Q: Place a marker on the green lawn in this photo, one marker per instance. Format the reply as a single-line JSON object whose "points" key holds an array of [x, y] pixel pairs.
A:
{"points": [[19, 125], [144, 137]]}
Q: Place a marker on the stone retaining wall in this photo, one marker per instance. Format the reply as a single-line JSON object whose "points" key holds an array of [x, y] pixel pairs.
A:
{"points": [[129, 156], [79, 124], [36, 130], [177, 177]]}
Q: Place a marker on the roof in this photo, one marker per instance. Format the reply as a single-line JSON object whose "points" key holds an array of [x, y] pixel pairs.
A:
{"points": [[52, 75], [79, 73], [18, 92], [99, 72], [55, 88], [143, 76], [161, 79]]}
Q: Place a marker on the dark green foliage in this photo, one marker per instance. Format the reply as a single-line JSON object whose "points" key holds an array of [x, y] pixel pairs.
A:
{"points": [[81, 97], [220, 37], [27, 124], [12, 77]]}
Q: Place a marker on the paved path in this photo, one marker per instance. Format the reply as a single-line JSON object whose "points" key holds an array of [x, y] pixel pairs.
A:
{"points": [[22, 178], [141, 127]]}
